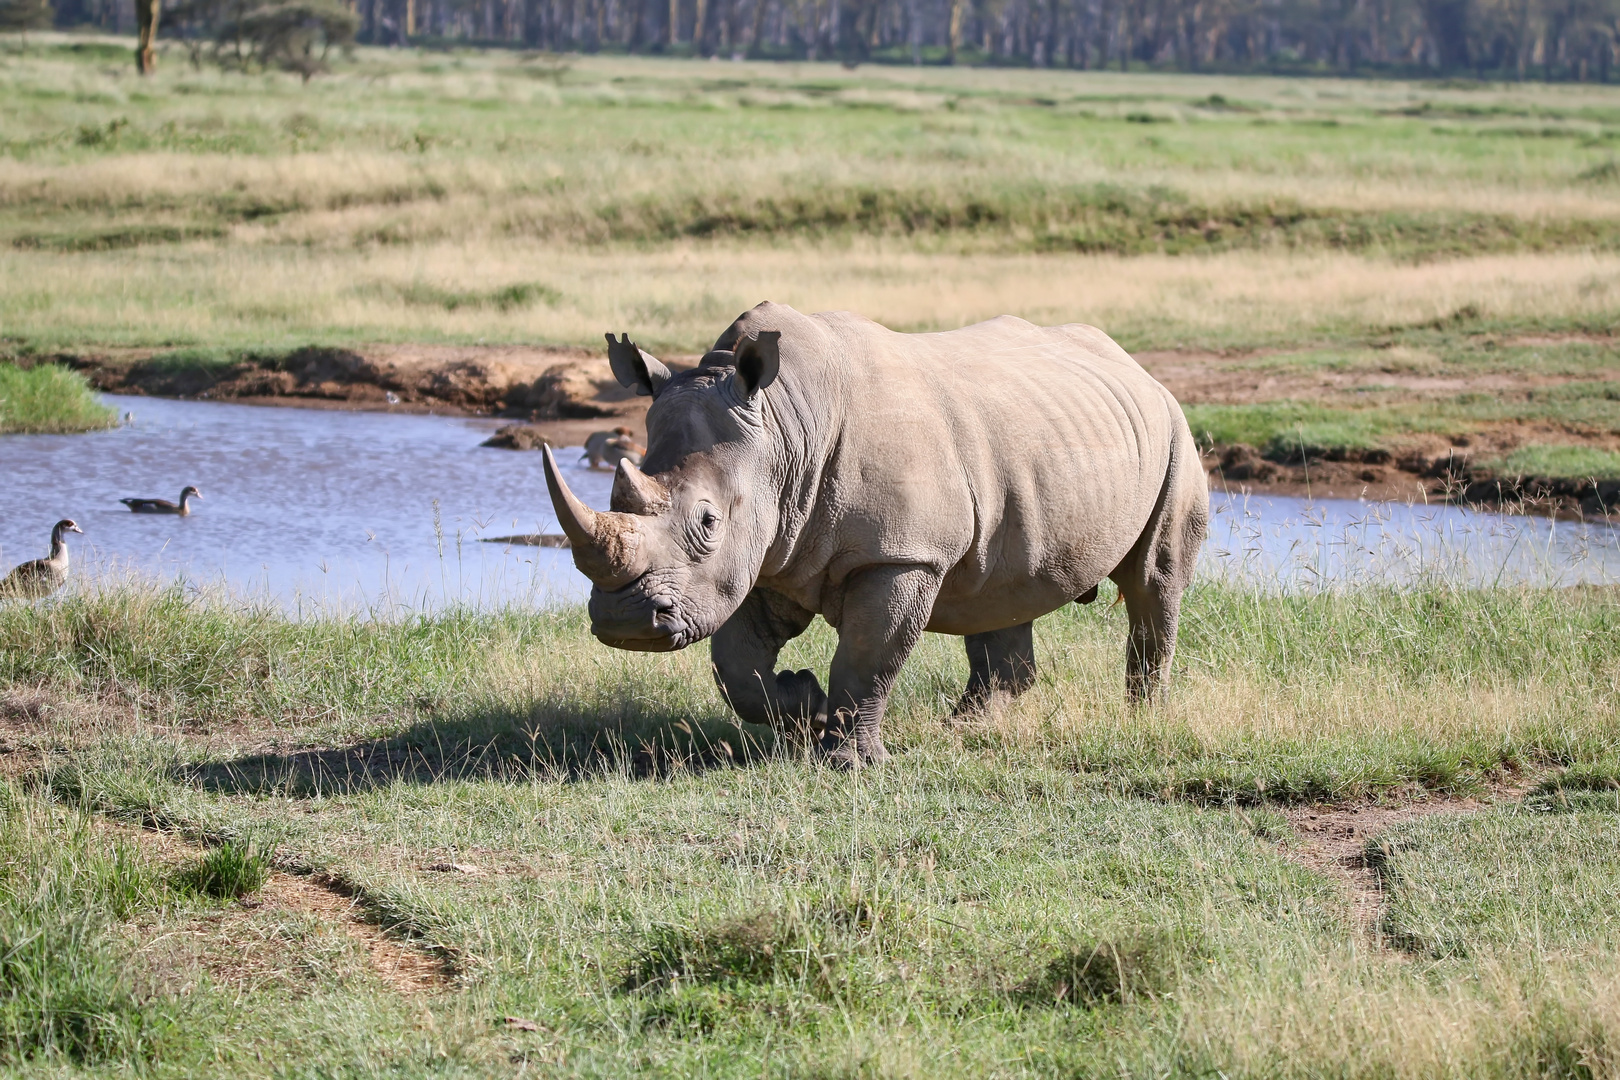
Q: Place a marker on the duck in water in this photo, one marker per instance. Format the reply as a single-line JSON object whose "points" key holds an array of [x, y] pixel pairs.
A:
{"points": [[604, 449], [164, 506], [41, 577]]}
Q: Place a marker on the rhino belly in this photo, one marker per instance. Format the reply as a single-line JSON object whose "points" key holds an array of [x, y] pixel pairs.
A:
{"points": [[1043, 555], [1018, 603]]}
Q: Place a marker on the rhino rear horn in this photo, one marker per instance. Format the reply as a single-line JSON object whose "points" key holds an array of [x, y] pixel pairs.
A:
{"points": [[634, 368], [759, 359], [634, 492]]}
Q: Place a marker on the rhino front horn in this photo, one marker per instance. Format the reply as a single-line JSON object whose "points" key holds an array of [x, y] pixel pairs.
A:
{"points": [[578, 521], [606, 546]]}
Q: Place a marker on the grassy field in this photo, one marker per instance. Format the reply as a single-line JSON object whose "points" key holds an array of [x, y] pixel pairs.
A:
{"points": [[1376, 263], [1370, 833], [471, 817], [48, 399]]}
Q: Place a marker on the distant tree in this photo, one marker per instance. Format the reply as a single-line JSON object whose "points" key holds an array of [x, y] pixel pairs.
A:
{"points": [[21, 16], [288, 35]]}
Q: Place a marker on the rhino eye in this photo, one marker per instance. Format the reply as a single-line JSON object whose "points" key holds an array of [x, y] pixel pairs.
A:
{"points": [[704, 532]]}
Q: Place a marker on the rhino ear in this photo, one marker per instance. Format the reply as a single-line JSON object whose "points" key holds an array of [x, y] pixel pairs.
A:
{"points": [[632, 367], [758, 360]]}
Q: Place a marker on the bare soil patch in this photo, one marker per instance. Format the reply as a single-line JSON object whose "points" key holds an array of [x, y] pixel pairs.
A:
{"points": [[246, 943], [1209, 378], [402, 966], [1333, 841]]}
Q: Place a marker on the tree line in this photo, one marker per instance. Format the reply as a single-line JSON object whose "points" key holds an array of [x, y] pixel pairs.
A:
{"points": [[1512, 39]]}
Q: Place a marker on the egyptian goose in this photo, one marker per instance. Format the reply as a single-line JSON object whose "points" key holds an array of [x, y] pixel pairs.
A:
{"points": [[41, 577], [164, 506]]}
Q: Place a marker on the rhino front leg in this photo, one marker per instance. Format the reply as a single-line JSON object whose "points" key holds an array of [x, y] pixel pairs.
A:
{"points": [[885, 610], [744, 653], [998, 660]]}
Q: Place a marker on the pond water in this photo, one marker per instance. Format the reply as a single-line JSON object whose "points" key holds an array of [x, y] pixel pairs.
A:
{"points": [[311, 507], [315, 508], [1293, 543]]}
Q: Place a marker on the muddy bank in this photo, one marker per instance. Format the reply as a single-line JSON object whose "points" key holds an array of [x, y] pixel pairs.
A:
{"points": [[562, 394], [1413, 467], [1414, 474]]}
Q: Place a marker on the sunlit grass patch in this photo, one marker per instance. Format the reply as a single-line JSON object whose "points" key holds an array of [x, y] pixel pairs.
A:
{"points": [[49, 399], [1478, 884], [1555, 460], [228, 871]]}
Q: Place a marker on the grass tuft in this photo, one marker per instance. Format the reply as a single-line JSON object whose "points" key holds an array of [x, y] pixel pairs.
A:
{"points": [[64, 988], [750, 949], [227, 872], [1117, 971]]}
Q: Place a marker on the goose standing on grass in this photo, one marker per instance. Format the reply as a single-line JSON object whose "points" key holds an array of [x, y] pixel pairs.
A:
{"points": [[41, 577], [164, 506]]}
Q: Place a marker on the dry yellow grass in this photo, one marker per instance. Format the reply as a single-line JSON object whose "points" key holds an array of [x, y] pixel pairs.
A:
{"points": [[680, 296], [397, 198]]}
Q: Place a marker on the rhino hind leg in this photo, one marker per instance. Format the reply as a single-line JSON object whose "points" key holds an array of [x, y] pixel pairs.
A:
{"points": [[1158, 570], [744, 653], [1153, 613], [999, 660]]}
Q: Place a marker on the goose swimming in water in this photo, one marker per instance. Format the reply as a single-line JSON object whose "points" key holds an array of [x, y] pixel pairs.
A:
{"points": [[41, 577], [164, 506]]}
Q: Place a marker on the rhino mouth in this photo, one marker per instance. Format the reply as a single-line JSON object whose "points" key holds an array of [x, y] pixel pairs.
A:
{"points": [[632, 619]]}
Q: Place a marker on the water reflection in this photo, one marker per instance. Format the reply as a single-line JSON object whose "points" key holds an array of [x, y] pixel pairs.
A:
{"points": [[380, 512]]}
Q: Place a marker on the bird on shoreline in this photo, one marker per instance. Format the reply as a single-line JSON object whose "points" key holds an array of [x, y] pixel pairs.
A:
{"points": [[39, 578], [164, 506], [604, 448]]}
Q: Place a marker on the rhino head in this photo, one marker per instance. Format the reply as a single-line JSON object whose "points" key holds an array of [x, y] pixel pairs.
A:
{"points": [[683, 542]]}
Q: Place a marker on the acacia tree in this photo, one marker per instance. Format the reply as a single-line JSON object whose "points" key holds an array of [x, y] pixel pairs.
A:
{"points": [[288, 35], [21, 16]]}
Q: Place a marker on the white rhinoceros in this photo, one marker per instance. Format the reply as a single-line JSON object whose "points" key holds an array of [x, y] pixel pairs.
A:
{"points": [[964, 482]]}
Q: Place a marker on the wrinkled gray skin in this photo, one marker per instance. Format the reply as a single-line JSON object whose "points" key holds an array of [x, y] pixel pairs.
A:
{"points": [[964, 483]]}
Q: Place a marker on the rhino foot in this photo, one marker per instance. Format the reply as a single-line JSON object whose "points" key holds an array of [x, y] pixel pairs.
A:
{"points": [[800, 699], [842, 750]]}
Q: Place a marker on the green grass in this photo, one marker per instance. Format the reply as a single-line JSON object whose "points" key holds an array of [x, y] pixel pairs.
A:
{"points": [[65, 988], [463, 197], [1064, 887], [1478, 884], [1538, 460], [228, 872], [48, 399]]}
